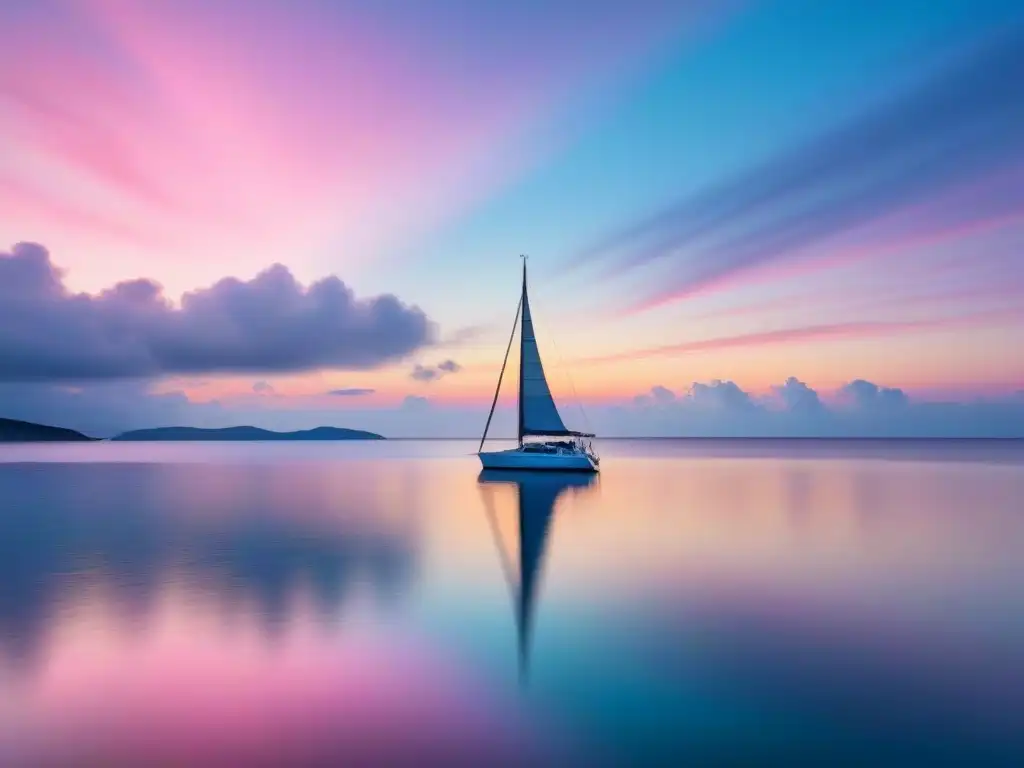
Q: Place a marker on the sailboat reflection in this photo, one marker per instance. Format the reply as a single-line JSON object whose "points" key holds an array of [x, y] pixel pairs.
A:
{"points": [[538, 492]]}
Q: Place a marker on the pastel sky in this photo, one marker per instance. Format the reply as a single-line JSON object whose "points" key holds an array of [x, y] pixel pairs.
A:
{"points": [[743, 193]]}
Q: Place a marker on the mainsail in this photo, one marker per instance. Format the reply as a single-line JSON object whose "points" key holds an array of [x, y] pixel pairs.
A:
{"points": [[538, 414]]}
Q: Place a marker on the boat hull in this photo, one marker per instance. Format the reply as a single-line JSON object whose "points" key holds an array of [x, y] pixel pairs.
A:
{"points": [[529, 460]]}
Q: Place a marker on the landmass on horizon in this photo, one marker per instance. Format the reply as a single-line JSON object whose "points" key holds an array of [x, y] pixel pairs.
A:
{"points": [[12, 431], [238, 434]]}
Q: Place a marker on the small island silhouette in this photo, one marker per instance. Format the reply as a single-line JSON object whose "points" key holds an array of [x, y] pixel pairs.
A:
{"points": [[246, 433], [13, 431]]}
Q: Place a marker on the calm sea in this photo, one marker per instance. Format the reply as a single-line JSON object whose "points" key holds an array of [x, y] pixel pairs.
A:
{"points": [[700, 602]]}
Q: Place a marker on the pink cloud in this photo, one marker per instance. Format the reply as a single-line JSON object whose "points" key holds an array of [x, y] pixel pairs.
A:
{"points": [[819, 301], [845, 330], [36, 208], [262, 124], [971, 210], [58, 122]]}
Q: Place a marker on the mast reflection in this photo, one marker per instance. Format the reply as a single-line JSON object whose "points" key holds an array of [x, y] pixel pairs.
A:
{"points": [[537, 494]]}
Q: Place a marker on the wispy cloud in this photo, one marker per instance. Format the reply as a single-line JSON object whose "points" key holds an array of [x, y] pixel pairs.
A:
{"points": [[469, 333], [848, 330], [352, 392], [30, 202], [427, 373], [953, 128], [160, 112]]}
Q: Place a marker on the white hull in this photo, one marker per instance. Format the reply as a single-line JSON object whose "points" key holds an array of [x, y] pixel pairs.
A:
{"points": [[518, 459]]}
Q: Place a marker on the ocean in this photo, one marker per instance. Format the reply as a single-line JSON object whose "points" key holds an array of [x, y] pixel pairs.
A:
{"points": [[702, 602]]}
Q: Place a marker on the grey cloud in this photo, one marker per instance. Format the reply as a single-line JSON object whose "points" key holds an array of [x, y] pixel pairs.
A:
{"points": [[865, 394], [658, 395], [719, 395], [798, 397], [352, 392], [422, 373], [262, 388], [861, 409], [957, 126], [415, 403], [269, 323], [427, 373], [662, 394]]}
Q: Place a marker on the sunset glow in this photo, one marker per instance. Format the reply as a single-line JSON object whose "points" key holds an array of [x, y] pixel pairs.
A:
{"points": [[740, 192]]}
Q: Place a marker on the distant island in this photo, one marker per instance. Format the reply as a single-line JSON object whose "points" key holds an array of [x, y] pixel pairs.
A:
{"points": [[238, 434], [14, 431]]}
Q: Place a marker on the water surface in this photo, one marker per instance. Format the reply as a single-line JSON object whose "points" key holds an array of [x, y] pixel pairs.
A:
{"points": [[709, 602]]}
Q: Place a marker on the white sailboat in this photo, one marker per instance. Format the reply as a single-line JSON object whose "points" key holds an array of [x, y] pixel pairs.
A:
{"points": [[538, 415]]}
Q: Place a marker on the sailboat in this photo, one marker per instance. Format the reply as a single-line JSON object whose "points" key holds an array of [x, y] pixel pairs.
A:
{"points": [[538, 414]]}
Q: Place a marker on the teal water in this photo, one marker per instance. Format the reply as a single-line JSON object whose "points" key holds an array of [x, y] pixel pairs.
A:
{"points": [[701, 602]]}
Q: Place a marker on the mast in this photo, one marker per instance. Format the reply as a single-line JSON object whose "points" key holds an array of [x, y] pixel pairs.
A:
{"points": [[497, 389], [522, 343]]}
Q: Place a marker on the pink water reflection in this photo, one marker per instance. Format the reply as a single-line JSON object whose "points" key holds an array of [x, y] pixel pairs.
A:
{"points": [[192, 692], [707, 599]]}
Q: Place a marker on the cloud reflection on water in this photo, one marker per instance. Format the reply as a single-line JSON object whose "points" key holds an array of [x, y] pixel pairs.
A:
{"points": [[129, 531]]}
